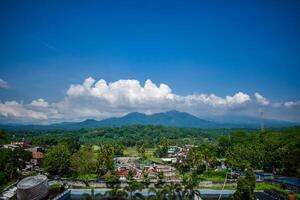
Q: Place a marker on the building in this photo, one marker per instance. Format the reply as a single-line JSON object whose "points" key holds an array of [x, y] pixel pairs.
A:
{"points": [[37, 158], [37, 155], [168, 171], [33, 188]]}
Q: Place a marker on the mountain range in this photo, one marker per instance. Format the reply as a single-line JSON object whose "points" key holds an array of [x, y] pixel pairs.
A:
{"points": [[171, 118]]}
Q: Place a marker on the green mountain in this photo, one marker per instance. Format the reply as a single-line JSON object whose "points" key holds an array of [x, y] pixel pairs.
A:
{"points": [[171, 118]]}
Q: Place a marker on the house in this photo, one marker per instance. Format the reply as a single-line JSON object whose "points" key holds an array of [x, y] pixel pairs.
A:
{"points": [[168, 171], [37, 158], [37, 155], [122, 173]]}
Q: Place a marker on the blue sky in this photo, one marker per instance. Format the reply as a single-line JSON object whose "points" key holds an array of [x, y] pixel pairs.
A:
{"points": [[195, 47]]}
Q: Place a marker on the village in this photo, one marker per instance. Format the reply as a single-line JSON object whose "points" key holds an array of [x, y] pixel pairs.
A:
{"points": [[122, 164], [156, 168]]}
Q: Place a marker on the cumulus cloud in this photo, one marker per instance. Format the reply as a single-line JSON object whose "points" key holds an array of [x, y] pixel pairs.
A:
{"points": [[131, 92], [122, 92], [40, 103], [216, 101], [261, 99], [14, 109], [99, 99], [3, 84], [290, 104]]}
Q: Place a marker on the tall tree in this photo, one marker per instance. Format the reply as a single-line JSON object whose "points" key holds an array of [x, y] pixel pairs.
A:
{"points": [[141, 151], [57, 160], [105, 158], [245, 187], [83, 163]]}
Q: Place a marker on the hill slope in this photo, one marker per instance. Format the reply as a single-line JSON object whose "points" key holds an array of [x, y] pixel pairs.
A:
{"points": [[171, 118]]}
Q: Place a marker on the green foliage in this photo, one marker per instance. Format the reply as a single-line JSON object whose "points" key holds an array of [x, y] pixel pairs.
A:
{"points": [[133, 185], [83, 163], [3, 178], [129, 136], [3, 137], [271, 150], [105, 158], [57, 160], [162, 151], [73, 144], [190, 186], [267, 150], [146, 180], [245, 187], [141, 151], [113, 181], [10, 162]]}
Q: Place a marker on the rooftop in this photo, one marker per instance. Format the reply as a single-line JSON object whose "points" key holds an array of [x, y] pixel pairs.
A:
{"points": [[31, 181]]}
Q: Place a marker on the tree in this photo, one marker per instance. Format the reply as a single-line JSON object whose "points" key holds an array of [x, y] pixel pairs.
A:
{"points": [[92, 196], [195, 160], [141, 151], [190, 184], [113, 180], [105, 158], [146, 180], [208, 152], [11, 161], [83, 164], [57, 160], [172, 190], [3, 137], [160, 180], [21, 156], [245, 187], [161, 151], [73, 144], [133, 185]]}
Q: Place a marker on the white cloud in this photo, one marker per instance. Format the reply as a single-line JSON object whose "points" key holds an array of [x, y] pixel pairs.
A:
{"points": [[99, 100], [261, 99], [18, 110], [121, 92], [131, 92], [40, 103], [216, 101], [3, 84], [290, 104]]}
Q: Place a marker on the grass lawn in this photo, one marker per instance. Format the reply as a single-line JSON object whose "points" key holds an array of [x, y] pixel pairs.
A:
{"points": [[214, 176], [227, 187], [131, 151], [88, 177]]}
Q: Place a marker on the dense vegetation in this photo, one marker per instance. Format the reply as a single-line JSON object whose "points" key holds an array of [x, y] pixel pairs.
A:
{"points": [[128, 136], [272, 150], [11, 161], [87, 154]]}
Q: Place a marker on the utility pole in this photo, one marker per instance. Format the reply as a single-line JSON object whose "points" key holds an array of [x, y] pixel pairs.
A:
{"points": [[262, 125]]}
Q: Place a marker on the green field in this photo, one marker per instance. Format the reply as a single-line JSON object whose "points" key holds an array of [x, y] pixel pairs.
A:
{"points": [[132, 152]]}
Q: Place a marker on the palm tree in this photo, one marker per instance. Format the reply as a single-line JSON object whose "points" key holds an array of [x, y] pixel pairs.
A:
{"points": [[157, 193], [132, 186], [92, 196], [190, 184], [146, 180], [116, 191], [172, 190]]}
